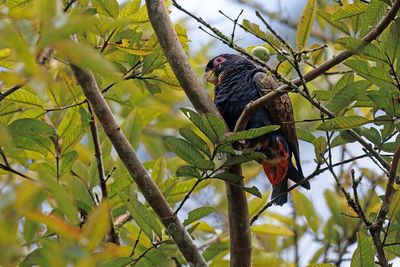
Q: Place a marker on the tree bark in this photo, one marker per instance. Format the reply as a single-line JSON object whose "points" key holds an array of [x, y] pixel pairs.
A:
{"points": [[239, 225]]}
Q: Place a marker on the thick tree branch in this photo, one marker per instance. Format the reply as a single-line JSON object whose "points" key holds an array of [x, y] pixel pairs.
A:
{"points": [[128, 156], [173, 50], [237, 204]]}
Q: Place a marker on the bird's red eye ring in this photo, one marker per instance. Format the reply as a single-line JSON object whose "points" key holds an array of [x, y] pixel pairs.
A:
{"points": [[218, 61]]}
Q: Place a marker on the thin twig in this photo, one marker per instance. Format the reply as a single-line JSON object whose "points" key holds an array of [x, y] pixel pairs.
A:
{"points": [[69, 4], [9, 169], [288, 46], [136, 243], [136, 260], [113, 236], [235, 22], [11, 90], [107, 41], [198, 181]]}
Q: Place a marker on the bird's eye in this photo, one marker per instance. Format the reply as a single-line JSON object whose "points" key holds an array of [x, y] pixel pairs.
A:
{"points": [[219, 60]]}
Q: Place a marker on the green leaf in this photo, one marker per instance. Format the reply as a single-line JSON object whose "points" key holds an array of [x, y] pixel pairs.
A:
{"points": [[270, 229], [31, 127], [345, 80], [97, 225], [349, 10], [146, 219], [25, 98], [73, 127], [251, 133], [188, 171], [381, 102], [370, 51], [130, 8], [107, 7], [321, 265], [214, 131], [159, 170], [306, 208], [322, 95], [215, 249], [376, 75], [253, 28], [85, 57], [372, 134], [183, 149], [342, 123], [364, 253], [319, 147], [253, 190], [117, 262], [335, 206], [305, 24], [346, 95], [67, 160], [61, 196], [81, 194], [216, 124], [391, 41], [304, 135], [35, 258], [335, 24], [373, 13], [233, 160], [32, 135], [197, 214], [195, 140], [204, 164], [229, 177]]}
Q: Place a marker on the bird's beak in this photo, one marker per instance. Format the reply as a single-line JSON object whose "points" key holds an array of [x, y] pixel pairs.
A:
{"points": [[209, 76]]}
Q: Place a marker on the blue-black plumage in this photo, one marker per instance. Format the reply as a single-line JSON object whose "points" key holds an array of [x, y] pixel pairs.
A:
{"points": [[238, 81]]}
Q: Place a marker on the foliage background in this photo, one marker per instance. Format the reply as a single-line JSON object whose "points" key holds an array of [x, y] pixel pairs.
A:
{"points": [[52, 206]]}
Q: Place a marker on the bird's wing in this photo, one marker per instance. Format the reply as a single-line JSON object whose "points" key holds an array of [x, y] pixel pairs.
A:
{"points": [[281, 112]]}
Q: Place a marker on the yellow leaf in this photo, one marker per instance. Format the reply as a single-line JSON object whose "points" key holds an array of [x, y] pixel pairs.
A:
{"points": [[55, 224], [97, 225], [270, 229], [305, 24]]}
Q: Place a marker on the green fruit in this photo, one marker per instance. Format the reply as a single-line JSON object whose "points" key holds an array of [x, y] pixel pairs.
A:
{"points": [[261, 53]]}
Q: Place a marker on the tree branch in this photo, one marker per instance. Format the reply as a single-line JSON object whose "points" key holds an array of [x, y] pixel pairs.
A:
{"points": [[377, 227], [128, 156], [9, 169], [113, 236], [239, 226], [10, 91]]}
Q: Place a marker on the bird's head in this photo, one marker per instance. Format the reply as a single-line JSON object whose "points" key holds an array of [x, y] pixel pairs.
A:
{"points": [[216, 66]]}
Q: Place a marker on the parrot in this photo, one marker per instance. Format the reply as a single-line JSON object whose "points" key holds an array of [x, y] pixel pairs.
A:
{"points": [[238, 81]]}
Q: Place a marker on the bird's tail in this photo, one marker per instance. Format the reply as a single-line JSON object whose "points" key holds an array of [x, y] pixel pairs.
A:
{"points": [[278, 189], [294, 175]]}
